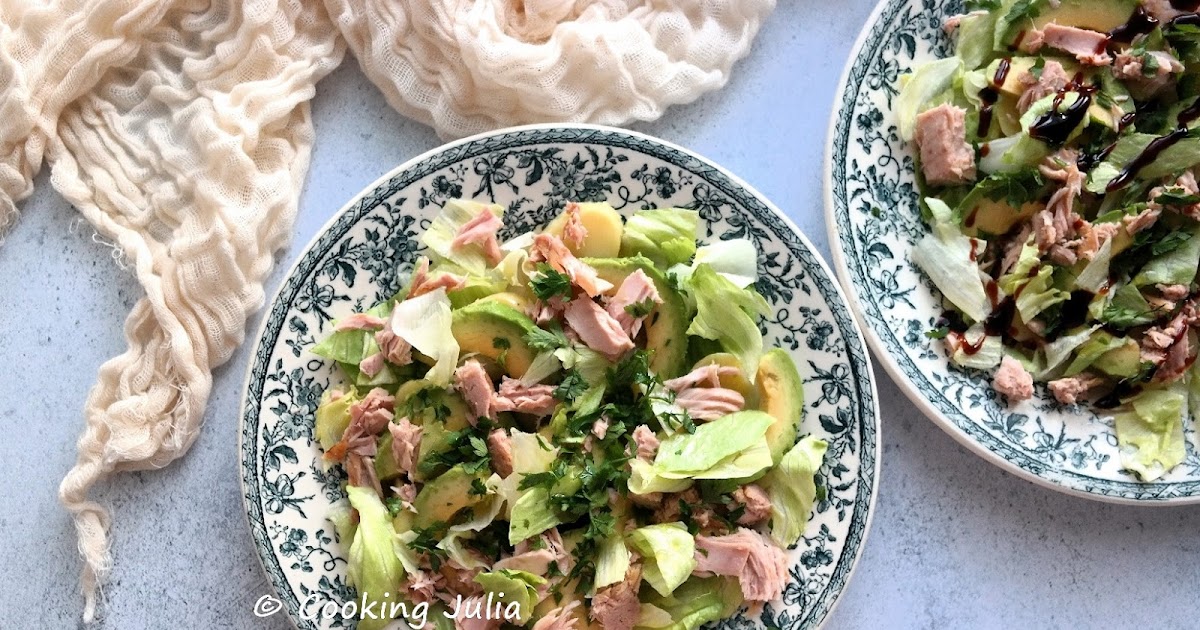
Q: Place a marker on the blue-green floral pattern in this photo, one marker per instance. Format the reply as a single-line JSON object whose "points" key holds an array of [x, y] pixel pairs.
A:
{"points": [[370, 247], [874, 221]]}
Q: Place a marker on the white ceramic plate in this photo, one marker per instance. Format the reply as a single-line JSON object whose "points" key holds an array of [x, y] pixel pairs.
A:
{"points": [[360, 257], [874, 221]]}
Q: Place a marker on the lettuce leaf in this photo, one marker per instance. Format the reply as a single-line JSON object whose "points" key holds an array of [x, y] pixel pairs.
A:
{"points": [[974, 42], [1095, 275], [333, 416], [736, 259], [792, 488], [508, 586], [668, 555], [1151, 432], [1060, 350], [612, 562], [712, 442], [644, 478], [1177, 266], [945, 256], [695, 603], [726, 313], [920, 87], [1035, 293], [666, 236], [1013, 153], [424, 322], [989, 354], [438, 238], [373, 566]]}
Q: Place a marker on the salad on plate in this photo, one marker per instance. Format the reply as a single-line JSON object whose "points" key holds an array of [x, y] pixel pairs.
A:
{"points": [[578, 427], [1057, 152]]}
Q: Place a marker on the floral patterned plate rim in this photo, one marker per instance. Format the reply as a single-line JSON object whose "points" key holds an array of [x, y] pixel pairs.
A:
{"points": [[354, 261], [873, 220]]}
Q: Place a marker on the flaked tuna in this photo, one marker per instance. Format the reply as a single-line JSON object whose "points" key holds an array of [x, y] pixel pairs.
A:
{"points": [[597, 329], [481, 231], [423, 283], [755, 502], [573, 230], [760, 566], [946, 158], [536, 400], [637, 289], [501, 451], [550, 249], [1013, 380], [646, 441], [473, 382], [360, 321], [617, 607], [406, 443], [1089, 47]]}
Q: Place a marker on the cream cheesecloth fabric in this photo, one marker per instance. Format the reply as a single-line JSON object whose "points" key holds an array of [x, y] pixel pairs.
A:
{"points": [[181, 131], [468, 66]]}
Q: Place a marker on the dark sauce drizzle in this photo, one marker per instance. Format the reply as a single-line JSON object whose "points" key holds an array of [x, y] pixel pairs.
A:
{"points": [[1140, 23], [1155, 148], [989, 95], [1056, 125]]}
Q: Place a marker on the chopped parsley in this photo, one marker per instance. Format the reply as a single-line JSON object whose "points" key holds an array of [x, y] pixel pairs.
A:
{"points": [[548, 283], [572, 386], [640, 309], [503, 345], [545, 340]]}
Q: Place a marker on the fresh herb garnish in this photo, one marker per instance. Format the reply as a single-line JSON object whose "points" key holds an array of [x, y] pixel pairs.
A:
{"points": [[545, 340], [572, 386], [640, 309], [426, 542], [548, 283], [503, 345], [478, 488]]}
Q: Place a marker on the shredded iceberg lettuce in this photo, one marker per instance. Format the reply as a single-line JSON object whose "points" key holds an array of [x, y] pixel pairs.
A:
{"points": [[424, 322], [444, 228], [668, 555], [513, 587], [920, 87], [945, 256], [1151, 433], [726, 313], [373, 566], [793, 490], [736, 259], [666, 236]]}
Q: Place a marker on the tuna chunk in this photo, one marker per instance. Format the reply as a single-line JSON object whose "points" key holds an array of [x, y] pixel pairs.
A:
{"points": [[573, 230], [483, 622], [481, 231], [360, 321], [1144, 83], [1144, 220], [535, 561], [600, 428], [1053, 78], [372, 365], [946, 158], [1092, 236], [646, 441], [360, 472], [406, 443], [636, 289], [542, 312], [617, 607], [549, 248], [1173, 292], [756, 502], [760, 566], [1013, 380], [536, 400], [710, 403], [562, 618], [1057, 223], [1179, 358], [500, 448], [1069, 390], [597, 329], [707, 375], [422, 283], [1089, 47], [368, 418], [473, 382], [393, 347]]}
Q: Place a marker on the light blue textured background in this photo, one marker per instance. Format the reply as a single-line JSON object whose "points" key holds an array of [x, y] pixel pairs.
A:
{"points": [[955, 542]]}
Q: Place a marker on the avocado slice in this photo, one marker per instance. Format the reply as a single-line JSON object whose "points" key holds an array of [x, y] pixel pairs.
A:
{"points": [[780, 394], [666, 326], [491, 328], [443, 497], [1096, 15]]}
